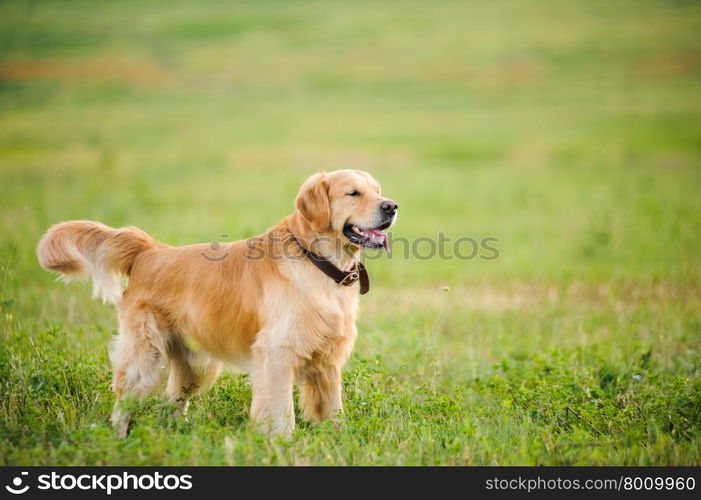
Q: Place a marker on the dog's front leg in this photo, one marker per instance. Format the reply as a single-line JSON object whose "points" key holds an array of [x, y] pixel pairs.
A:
{"points": [[320, 392], [272, 408], [321, 385]]}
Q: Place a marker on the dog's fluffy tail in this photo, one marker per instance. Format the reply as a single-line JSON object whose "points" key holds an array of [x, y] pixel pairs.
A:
{"points": [[81, 248]]}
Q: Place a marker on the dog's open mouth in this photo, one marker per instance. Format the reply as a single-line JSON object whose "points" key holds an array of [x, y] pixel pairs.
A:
{"points": [[368, 238]]}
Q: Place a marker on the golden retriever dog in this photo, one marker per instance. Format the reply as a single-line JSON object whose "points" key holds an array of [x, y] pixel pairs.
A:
{"points": [[262, 305]]}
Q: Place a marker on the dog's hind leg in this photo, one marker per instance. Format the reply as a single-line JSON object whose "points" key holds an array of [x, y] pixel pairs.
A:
{"points": [[138, 361], [188, 376]]}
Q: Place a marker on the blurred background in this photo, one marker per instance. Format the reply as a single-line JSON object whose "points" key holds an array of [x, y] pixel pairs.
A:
{"points": [[571, 131], [568, 130]]}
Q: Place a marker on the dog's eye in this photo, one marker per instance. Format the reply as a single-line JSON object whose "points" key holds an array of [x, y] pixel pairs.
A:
{"points": [[353, 193]]}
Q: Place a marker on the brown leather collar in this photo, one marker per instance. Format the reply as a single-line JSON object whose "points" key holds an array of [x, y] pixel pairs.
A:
{"points": [[345, 278]]}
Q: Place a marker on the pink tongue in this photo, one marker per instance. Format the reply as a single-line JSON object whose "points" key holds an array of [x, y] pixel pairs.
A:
{"points": [[380, 236]]}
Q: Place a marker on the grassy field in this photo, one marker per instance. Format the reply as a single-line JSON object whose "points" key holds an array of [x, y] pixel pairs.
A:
{"points": [[569, 131]]}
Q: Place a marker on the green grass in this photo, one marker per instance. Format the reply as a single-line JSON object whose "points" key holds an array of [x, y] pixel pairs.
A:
{"points": [[570, 131]]}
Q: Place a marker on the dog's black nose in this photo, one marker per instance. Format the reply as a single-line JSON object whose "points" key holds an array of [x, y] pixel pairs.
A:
{"points": [[389, 207]]}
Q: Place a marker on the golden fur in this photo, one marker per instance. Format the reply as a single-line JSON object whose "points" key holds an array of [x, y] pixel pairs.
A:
{"points": [[276, 316]]}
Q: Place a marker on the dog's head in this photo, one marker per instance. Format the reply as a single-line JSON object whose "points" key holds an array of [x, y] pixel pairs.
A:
{"points": [[347, 204]]}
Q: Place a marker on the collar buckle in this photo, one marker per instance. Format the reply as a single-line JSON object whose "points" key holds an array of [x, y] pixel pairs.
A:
{"points": [[341, 277], [350, 278]]}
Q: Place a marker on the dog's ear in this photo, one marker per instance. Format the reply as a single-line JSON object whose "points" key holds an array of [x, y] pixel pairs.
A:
{"points": [[313, 202]]}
